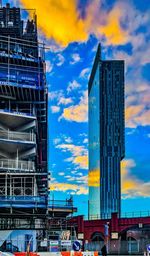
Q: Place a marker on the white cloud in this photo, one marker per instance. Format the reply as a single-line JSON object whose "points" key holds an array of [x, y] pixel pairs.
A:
{"points": [[59, 98], [73, 188], [61, 173], [73, 86], [85, 141], [68, 140], [49, 66], [85, 73], [78, 155], [55, 95], [61, 59], [64, 101], [56, 141], [55, 109], [75, 58]]}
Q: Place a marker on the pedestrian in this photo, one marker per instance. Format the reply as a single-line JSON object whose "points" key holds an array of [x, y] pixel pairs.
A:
{"points": [[104, 250]]}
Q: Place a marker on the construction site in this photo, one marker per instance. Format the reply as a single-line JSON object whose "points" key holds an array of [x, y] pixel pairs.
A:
{"points": [[30, 221], [26, 213]]}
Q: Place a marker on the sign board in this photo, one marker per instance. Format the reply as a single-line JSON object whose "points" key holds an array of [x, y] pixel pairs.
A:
{"points": [[76, 246], [43, 243], [148, 247], [80, 236], [23, 77], [53, 245], [65, 242], [53, 242], [114, 235]]}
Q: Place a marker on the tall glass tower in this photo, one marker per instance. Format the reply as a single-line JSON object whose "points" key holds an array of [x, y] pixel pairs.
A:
{"points": [[106, 135]]}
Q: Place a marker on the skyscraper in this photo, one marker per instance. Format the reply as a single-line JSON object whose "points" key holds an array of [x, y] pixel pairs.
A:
{"points": [[106, 135]]}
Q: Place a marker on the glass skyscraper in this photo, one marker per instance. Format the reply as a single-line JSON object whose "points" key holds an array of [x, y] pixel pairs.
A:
{"points": [[106, 135]]}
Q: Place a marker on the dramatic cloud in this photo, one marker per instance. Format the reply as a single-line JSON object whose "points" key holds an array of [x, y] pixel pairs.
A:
{"points": [[62, 21], [77, 113], [59, 20]]}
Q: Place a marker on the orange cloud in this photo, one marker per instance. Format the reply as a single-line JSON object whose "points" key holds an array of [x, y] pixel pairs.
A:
{"points": [[77, 113], [81, 161], [112, 29], [61, 20], [78, 154], [137, 115], [131, 185]]}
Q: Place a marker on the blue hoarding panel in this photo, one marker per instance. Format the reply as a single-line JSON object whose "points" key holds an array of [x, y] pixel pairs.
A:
{"points": [[28, 77]]}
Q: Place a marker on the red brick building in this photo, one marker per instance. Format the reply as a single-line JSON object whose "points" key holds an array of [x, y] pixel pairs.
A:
{"points": [[124, 234]]}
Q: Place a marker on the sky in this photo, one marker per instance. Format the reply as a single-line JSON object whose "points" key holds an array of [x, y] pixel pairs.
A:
{"points": [[72, 30]]}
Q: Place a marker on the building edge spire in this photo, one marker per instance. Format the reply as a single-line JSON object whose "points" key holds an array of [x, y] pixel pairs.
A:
{"points": [[96, 61]]}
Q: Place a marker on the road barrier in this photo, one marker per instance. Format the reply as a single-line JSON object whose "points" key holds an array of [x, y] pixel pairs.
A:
{"points": [[66, 253]]}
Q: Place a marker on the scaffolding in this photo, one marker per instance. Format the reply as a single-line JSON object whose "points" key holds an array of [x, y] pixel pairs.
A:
{"points": [[24, 178], [23, 122]]}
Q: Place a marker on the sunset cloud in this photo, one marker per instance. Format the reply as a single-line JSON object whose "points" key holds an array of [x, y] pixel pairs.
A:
{"points": [[59, 20], [137, 115], [77, 113], [131, 185], [81, 161], [62, 21]]}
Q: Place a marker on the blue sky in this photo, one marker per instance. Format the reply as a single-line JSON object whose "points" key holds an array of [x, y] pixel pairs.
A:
{"points": [[72, 30]]}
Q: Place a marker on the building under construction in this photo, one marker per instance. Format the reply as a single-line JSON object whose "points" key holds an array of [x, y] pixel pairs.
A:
{"points": [[24, 178]]}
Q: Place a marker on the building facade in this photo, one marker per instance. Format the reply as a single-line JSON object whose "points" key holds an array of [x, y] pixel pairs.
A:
{"points": [[27, 215], [106, 135], [23, 123]]}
